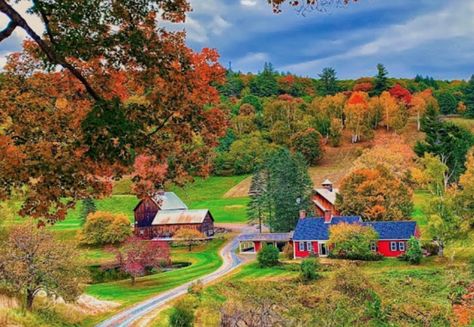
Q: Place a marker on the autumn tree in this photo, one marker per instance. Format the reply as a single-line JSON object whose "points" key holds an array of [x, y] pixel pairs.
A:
{"points": [[83, 100], [103, 227], [31, 260], [375, 194], [136, 256], [324, 109], [188, 237], [464, 196], [357, 114], [401, 94], [328, 82], [335, 132], [418, 107], [394, 115], [352, 241], [244, 123], [381, 83], [308, 143]]}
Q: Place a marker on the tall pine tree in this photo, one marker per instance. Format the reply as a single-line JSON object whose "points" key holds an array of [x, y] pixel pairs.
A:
{"points": [[469, 97], [328, 82], [88, 206], [280, 189], [381, 80]]}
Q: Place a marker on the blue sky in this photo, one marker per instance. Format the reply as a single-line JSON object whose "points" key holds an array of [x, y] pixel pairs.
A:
{"points": [[428, 37]]}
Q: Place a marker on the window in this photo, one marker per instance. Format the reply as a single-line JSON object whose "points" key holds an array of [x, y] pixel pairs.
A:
{"points": [[301, 246], [373, 246], [393, 246], [308, 246], [401, 246]]}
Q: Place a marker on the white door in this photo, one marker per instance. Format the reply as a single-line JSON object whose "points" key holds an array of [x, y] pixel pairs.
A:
{"points": [[323, 250]]}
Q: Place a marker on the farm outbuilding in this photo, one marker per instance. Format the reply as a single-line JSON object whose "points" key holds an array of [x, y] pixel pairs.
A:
{"points": [[162, 215]]}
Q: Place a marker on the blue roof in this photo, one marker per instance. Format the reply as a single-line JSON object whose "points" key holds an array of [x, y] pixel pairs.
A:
{"points": [[393, 230], [309, 229], [316, 229]]}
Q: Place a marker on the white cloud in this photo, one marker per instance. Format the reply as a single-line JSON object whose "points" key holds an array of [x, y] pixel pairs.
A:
{"points": [[195, 31], [248, 3], [252, 61], [218, 25]]}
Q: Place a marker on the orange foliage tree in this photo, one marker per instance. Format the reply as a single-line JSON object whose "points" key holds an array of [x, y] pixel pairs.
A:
{"points": [[375, 194], [356, 111], [122, 94]]}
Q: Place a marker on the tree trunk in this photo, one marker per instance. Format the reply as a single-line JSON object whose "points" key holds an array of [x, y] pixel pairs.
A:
{"points": [[190, 246], [133, 280], [418, 121], [30, 296]]}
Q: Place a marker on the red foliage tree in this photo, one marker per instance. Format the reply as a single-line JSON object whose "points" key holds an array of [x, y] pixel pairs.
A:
{"points": [[401, 94], [135, 256]]}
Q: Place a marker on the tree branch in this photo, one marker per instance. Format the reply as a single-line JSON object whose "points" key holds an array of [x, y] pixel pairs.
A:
{"points": [[52, 56], [161, 125], [8, 30], [45, 19]]}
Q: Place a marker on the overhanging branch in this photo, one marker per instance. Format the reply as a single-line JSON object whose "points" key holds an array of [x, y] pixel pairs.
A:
{"points": [[8, 30], [17, 19]]}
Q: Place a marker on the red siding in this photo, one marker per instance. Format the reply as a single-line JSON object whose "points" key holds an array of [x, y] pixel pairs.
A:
{"points": [[258, 245], [304, 254], [383, 247], [325, 203]]}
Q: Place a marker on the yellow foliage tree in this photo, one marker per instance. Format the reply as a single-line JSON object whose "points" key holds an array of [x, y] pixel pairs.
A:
{"points": [[393, 113], [104, 227], [357, 114]]}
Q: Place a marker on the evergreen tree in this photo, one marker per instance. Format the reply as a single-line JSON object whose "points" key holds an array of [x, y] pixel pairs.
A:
{"points": [[328, 82], [469, 97], [289, 189], [233, 85], [258, 208], [265, 84], [447, 102], [447, 141], [88, 206], [381, 80]]}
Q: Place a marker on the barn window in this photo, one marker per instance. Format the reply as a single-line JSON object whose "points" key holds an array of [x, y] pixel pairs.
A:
{"points": [[393, 246], [401, 246], [373, 246], [301, 246]]}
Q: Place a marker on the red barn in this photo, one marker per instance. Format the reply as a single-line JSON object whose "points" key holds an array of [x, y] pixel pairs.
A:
{"points": [[324, 199], [163, 214]]}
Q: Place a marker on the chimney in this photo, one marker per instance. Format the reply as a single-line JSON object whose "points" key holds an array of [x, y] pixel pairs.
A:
{"points": [[327, 216]]}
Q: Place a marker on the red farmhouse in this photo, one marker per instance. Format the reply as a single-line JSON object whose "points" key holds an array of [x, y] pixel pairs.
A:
{"points": [[312, 234]]}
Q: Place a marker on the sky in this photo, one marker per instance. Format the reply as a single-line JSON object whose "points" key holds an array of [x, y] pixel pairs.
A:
{"points": [[427, 37]]}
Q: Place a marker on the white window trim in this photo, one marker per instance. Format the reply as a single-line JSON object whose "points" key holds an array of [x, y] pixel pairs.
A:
{"points": [[301, 246], [401, 246], [373, 246], [309, 246], [393, 246]]}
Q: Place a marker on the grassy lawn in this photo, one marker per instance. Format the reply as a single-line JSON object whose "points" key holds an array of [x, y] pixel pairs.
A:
{"points": [[204, 259], [252, 271]]}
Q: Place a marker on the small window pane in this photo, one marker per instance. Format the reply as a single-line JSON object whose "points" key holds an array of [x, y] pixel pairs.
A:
{"points": [[301, 246], [401, 246], [308, 246], [393, 246]]}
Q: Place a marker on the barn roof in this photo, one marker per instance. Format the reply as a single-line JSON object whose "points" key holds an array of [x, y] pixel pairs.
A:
{"points": [[316, 229], [393, 230], [328, 195], [266, 237], [176, 217], [169, 201], [309, 229]]}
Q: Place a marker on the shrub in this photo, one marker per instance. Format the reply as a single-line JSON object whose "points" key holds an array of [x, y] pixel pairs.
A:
{"points": [[413, 254], [288, 251], [352, 241], [308, 269], [182, 314], [188, 237], [268, 256], [103, 227], [430, 248]]}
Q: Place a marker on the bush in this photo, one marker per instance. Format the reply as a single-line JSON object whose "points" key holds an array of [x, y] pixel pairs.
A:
{"points": [[308, 269], [182, 314], [268, 256], [288, 251], [413, 254], [430, 248], [103, 227], [352, 241]]}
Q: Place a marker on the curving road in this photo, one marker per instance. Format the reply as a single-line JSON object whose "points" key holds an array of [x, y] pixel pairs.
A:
{"points": [[133, 314]]}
